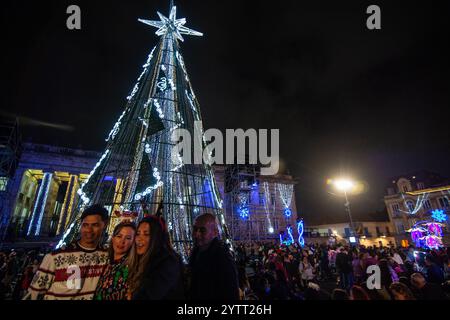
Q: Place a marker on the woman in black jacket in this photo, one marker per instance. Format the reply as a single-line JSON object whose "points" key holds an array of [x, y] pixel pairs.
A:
{"points": [[159, 272]]}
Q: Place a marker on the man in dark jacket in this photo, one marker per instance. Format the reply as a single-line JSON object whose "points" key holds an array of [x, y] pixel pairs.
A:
{"points": [[213, 270], [343, 266]]}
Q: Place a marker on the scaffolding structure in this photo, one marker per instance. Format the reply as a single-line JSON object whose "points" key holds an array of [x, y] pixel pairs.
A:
{"points": [[240, 180], [10, 151]]}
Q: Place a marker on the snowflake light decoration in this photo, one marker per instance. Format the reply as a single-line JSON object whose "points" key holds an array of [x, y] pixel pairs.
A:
{"points": [[438, 215]]}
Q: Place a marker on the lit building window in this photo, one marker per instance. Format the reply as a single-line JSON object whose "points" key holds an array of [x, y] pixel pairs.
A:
{"points": [[3, 183]]}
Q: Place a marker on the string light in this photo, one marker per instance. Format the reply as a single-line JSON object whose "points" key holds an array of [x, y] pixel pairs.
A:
{"points": [[300, 229], [80, 191], [266, 205], [39, 207], [243, 210], [159, 183], [286, 191], [419, 203]]}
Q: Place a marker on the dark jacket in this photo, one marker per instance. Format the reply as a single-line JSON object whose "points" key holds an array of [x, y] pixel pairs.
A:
{"points": [[162, 279], [430, 291], [213, 273], [435, 274], [343, 263]]}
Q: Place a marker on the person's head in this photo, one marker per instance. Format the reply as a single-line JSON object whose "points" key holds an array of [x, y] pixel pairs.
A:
{"points": [[405, 281], [205, 229], [152, 239], [339, 294], [122, 240], [152, 236], [401, 291], [418, 280], [358, 293], [93, 223], [429, 260]]}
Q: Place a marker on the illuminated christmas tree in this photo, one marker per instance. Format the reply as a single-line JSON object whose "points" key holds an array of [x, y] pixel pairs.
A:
{"points": [[138, 170]]}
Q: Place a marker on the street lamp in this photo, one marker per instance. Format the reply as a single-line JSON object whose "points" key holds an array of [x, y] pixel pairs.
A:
{"points": [[345, 185]]}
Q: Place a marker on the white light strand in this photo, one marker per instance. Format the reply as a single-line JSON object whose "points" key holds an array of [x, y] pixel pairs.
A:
{"points": [[266, 204], [145, 66], [162, 84], [80, 191], [116, 127], [172, 85], [40, 200], [158, 108], [62, 242], [419, 203], [147, 103], [159, 183], [144, 122], [149, 58], [286, 192]]}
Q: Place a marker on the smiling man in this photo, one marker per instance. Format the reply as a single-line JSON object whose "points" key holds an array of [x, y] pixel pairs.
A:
{"points": [[72, 272]]}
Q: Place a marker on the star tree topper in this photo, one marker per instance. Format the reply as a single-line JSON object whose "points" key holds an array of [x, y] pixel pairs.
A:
{"points": [[172, 25]]}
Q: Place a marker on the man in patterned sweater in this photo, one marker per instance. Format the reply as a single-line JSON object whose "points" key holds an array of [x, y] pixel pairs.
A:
{"points": [[72, 273]]}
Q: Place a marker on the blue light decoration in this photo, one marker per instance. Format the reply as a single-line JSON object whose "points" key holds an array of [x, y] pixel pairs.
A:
{"points": [[243, 209], [438, 215], [244, 212], [300, 228], [287, 240], [39, 207], [287, 212], [289, 230]]}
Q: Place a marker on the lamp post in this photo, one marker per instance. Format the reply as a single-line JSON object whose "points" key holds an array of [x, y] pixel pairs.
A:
{"points": [[346, 185]]}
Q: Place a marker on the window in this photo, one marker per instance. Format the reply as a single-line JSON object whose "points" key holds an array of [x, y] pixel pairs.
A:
{"points": [[400, 227], [444, 202], [405, 188], [427, 204], [378, 230], [366, 231], [347, 232], [410, 205], [3, 183], [387, 231], [396, 208], [272, 199], [420, 185]]}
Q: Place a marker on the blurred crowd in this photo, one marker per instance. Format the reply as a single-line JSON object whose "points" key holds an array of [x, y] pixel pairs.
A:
{"points": [[320, 272]]}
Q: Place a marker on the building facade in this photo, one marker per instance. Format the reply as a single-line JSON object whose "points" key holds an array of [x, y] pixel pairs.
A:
{"points": [[370, 233], [415, 197], [45, 185]]}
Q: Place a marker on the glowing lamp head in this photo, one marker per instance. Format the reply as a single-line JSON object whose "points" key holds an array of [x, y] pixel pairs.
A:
{"points": [[343, 184], [271, 230]]}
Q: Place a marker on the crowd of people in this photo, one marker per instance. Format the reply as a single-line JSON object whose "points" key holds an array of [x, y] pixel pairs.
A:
{"points": [[140, 263], [323, 272]]}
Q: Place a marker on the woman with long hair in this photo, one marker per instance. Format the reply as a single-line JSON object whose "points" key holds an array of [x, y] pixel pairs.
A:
{"points": [[113, 284], [158, 274]]}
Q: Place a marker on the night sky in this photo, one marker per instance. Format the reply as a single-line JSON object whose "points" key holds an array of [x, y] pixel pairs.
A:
{"points": [[347, 100]]}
